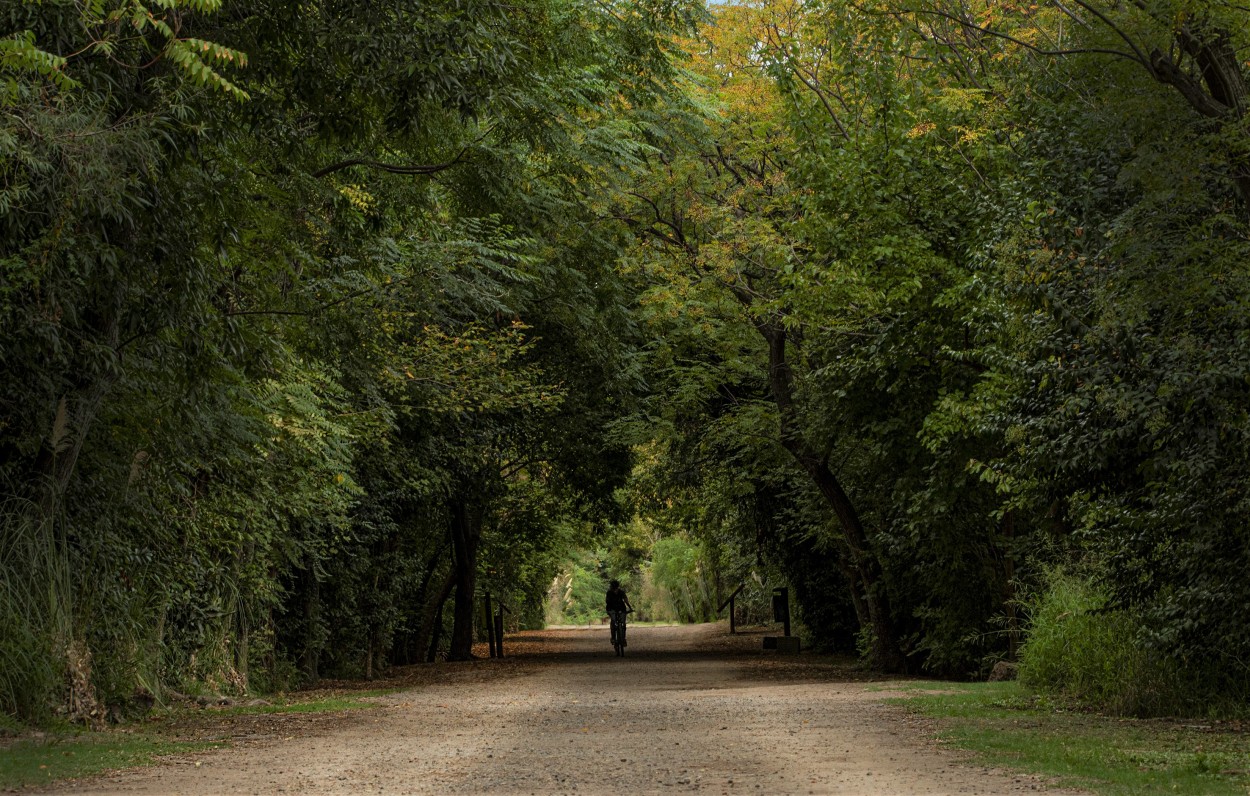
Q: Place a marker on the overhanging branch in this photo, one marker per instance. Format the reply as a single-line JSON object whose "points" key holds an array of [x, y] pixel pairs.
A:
{"points": [[392, 168]]}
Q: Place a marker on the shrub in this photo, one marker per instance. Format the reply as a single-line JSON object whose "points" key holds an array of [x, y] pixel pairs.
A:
{"points": [[1080, 647]]}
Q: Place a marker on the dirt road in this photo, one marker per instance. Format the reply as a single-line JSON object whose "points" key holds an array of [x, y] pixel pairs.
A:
{"points": [[688, 710]]}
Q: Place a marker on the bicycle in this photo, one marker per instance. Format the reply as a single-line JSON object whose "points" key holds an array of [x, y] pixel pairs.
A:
{"points": [[617, 619]]}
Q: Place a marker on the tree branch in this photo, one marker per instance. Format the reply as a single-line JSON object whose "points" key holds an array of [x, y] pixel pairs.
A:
{"points": [[1136, 56], [390, 167]]}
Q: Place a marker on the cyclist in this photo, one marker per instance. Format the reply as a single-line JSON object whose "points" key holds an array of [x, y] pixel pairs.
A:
{"points": [[617, 606]]}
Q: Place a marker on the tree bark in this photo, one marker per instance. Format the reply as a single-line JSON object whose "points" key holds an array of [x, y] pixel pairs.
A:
{"points": [[436, 616], [1219, 91], [886, 653], [857, 591], [1009, 583], [311, 657], [417, 633], [466, 533]]}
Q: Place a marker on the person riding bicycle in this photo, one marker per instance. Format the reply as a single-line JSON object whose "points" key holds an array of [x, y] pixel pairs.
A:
{"points": [[618, 605]]}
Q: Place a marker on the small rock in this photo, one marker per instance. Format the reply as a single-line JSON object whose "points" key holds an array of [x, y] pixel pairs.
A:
{"points": [[1004, 670]]}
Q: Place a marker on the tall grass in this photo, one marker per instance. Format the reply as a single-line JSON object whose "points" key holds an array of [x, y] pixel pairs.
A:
{"points": [[36, 612], [1079, 647]]}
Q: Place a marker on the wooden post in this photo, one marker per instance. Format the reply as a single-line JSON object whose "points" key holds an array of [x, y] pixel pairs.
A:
{"points": [[499, 630], [733, 627], [781, 607], [785, 596], [490, 627]]}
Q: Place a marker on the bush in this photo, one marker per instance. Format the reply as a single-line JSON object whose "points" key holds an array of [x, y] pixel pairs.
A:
{"points": [[34, 616], [1079, 647]]}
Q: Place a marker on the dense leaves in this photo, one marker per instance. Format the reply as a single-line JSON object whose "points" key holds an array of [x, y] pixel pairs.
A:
{"points": [[304, 308], [321, 320], [950, 296]]}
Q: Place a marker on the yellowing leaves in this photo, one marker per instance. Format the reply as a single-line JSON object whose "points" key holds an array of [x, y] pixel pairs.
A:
{"points": [[359, 198], [920, 129], [477, 369]]}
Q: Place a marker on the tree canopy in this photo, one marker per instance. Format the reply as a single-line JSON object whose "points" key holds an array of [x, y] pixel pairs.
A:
{"points": [[318, 321]]}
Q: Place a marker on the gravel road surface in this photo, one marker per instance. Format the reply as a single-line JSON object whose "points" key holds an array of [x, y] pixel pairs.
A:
{"points": [[689, 709]]}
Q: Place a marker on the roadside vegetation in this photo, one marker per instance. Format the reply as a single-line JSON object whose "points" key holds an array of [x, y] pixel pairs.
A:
{"points": [[320, 321], [34, 762], [1006, 725], [63, 751]]}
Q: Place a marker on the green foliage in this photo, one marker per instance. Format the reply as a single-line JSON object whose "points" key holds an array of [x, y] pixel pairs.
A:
{"points": [[282, 288], [577, 594], [1079, 647], [18, 54], [29, 764], [678, 571], [34, 615], [316, 315]]}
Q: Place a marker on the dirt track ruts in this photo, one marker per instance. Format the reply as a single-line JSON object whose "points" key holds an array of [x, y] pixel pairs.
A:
{"points": [[689, 709]]}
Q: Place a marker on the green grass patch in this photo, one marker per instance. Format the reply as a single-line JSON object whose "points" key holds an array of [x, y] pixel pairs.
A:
{"points": [[329, 704], [65, 753], [30, 762], [1005, 725]]}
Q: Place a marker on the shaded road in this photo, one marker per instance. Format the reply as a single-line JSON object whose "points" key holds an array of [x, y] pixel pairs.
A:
{"points": [[688, 710]]}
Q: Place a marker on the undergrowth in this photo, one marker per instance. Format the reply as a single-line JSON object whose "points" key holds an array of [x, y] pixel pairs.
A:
{"points": [[1080, 648]]}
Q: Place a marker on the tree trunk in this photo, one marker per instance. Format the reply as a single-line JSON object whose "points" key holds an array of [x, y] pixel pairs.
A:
{"points": [[490, 624], [312, 617], [243, 652], [886, 653], [411, 646], [466, 532], [1009, 584], [1217, 90], [857, 591], [436, 627], [431, 614]]}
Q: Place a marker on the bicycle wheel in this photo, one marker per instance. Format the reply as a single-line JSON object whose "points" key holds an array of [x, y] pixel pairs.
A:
{"points": [[618, 634]]}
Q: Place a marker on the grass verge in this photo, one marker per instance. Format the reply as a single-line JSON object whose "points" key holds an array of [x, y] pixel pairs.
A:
{"points": [[329, 704], [42, 761], [1004, 725], [68, 753]]}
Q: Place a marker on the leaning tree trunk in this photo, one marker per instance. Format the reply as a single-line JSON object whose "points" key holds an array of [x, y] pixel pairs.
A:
{"points": [[466, 533], [432, 615], [410, 645], [1217, 89], [886, 653]]}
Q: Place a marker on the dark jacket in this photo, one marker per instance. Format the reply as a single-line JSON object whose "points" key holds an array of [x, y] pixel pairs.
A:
{"points": [[616, 600]]}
